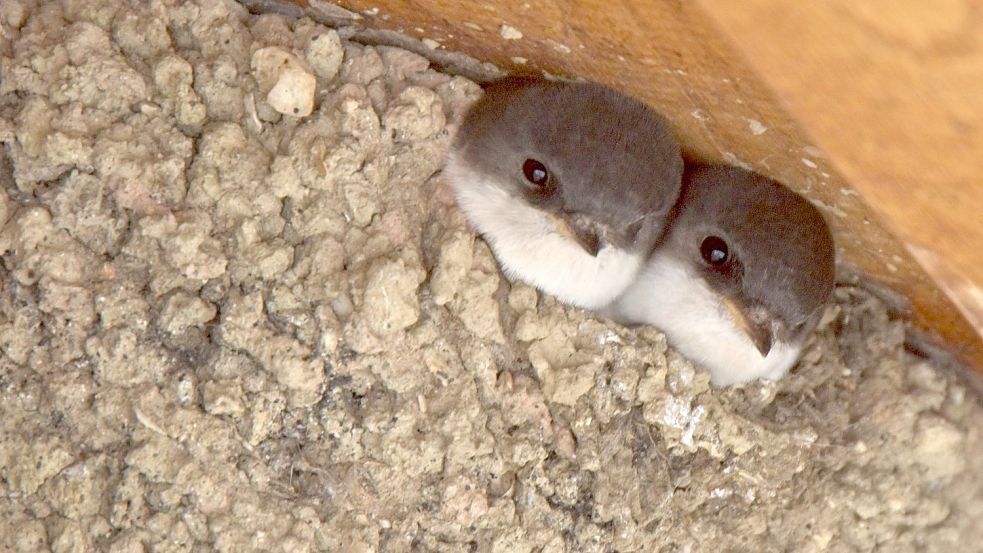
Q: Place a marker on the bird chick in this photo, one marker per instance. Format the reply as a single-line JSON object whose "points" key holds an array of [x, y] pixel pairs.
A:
{"points": [[741, 277], [569, 183]]}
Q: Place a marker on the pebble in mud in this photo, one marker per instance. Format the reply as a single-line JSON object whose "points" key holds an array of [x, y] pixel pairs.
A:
{"points": [[288, 86], [228, 327]]}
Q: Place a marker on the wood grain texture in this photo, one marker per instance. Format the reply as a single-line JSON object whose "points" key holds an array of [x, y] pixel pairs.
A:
{"points": [[893, 91], [671, 55]]}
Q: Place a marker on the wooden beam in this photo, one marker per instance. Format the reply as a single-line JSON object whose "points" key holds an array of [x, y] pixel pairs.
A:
{"points": [[893, 91], [672, 56]]}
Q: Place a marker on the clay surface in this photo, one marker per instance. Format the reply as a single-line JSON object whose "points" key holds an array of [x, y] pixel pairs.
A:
{"points": [[227, 324]]}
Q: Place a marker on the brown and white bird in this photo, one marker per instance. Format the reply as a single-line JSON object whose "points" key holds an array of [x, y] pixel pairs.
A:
{"points": [[740, 278], [569, 183]]}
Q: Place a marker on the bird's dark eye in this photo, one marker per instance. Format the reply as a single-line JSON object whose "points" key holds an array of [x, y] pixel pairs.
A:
{"points": [[714, 251], [535, 173]]}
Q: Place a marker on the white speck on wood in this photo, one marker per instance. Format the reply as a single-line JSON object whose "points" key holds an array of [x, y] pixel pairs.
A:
{"points": [[561, 48], [700, 115], [732, 159], [832, 209], [814, 152], [509, 32]]}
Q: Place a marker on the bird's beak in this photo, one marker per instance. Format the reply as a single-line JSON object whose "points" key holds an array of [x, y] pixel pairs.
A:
{"points": [[754, 322], [577, 229]]}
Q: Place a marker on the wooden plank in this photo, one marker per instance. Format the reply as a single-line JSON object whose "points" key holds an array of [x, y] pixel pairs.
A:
{"points": [[896, 99], [670, 54]]}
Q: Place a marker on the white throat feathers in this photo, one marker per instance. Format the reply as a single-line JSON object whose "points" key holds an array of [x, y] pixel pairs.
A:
{"points": [[530, 248], [673, 298]]}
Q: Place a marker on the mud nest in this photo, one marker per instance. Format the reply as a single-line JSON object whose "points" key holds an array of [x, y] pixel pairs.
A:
{"points": [[240, 311]]}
